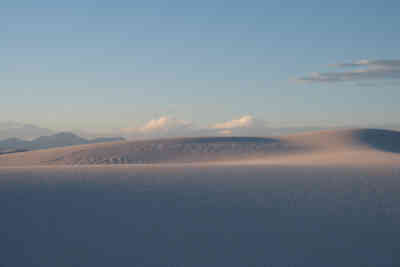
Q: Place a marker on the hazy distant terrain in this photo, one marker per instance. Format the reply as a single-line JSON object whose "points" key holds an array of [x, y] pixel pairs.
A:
{"points": [[327, 198], [43, 142]]}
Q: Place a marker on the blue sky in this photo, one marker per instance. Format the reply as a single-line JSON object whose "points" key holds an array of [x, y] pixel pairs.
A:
{"points": [[119, 64]]}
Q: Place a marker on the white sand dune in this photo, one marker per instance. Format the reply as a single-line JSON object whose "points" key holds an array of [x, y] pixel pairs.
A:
{"points": [[319, 199], [357, 146]]}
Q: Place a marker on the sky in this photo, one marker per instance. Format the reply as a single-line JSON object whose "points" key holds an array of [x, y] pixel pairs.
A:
{"points": [[140, 65]]}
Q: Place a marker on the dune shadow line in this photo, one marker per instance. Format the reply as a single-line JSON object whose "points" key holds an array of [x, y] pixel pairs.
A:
{"points": [[384, 140], [233, 139]]}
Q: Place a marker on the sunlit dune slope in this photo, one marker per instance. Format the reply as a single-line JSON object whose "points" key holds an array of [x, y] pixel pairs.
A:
{"points": [[355, 146]]}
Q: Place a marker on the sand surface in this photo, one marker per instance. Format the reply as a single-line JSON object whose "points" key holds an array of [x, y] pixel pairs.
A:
{"points": [[343, 147], [318, 199]]}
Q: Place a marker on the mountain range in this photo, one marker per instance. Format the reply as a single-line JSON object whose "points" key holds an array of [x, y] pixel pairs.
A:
{"points": [[62, 139]]}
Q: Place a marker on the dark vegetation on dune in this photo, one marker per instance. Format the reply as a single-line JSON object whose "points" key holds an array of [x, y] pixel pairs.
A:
{"points": [[232, 139], [384, 140], [185, 150]]}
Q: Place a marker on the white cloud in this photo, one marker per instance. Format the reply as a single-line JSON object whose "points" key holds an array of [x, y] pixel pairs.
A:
{"points": [[225, 132], [243, 122], [246, 125], [162, 127], [164, 124]]}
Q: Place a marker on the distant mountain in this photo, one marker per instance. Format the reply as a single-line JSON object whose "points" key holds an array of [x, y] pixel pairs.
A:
{"points": [[22, 131], [43, 142], [57, 140], [13, 143]]}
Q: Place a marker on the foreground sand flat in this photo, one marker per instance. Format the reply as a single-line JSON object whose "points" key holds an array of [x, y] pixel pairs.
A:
{"points": [[199, 215]]}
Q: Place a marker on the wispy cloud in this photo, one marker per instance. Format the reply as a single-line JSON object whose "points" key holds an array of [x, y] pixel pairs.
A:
{"points": [[366, 70]]}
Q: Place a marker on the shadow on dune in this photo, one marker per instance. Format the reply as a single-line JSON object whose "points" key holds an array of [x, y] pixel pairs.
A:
{"points": [[384, 140]]}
